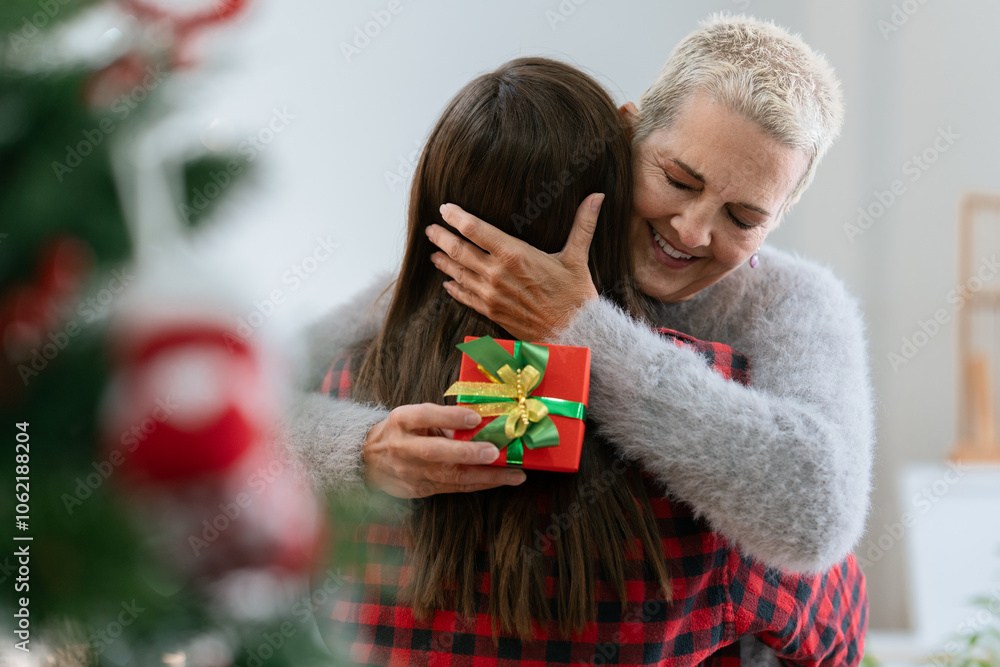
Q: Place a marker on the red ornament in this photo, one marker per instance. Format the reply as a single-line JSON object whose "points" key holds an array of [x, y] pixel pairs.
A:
{"points": [[166, 432], [191, 422]]}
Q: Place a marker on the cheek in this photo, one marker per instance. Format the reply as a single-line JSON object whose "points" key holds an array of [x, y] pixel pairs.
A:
{"points": [[651, 200], [637, 237], [733, 249]]}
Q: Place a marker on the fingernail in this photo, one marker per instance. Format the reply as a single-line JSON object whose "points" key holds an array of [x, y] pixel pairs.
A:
{"points": [[489, 454], [427, 230], [434, 257], [473, 419], [516, 477], [596, 201], [443, 209]]}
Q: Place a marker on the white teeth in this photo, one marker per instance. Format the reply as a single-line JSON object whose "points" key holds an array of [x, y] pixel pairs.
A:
{"points": [[667, 248]]}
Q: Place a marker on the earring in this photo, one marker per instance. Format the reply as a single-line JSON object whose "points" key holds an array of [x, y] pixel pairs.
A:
{"points": [[754, 259]]}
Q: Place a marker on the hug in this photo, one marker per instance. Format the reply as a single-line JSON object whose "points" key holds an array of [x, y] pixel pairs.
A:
{"points": [[729, 386]]}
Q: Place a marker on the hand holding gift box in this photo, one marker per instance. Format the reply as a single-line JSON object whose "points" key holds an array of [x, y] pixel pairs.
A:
{"points": [[537, 395]]}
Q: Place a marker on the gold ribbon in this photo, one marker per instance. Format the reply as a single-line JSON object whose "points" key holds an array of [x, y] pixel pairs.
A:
{"points": [[516, 385]]}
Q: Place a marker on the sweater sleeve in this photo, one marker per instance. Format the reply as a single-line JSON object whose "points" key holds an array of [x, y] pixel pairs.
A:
{"points": [[782, 468], [325, 435]]}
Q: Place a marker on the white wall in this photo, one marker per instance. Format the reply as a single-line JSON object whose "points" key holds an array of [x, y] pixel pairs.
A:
{"points": [[356, 121]]}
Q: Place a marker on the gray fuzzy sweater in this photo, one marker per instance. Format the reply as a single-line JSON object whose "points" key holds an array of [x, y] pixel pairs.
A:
{"points": [[782, 468]]}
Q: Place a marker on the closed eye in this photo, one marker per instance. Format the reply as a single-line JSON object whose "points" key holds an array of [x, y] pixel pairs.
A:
{"points": [[681, 186], [739, 223], [677, 184]]}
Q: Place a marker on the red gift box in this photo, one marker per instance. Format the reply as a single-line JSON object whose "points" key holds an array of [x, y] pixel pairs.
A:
{"points": [[566, 377]]}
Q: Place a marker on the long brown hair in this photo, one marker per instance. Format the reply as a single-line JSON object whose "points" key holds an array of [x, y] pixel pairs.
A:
{"points": [[520, 147]]}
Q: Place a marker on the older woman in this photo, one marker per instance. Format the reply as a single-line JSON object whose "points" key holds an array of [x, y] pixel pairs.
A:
{"points": [[726, 139]]}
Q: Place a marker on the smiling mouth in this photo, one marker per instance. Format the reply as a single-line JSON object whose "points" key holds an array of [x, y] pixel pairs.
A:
{"points": [[666, 253]]}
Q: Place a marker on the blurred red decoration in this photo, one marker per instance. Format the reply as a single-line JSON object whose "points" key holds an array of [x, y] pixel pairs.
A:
{"points": [[184, 27], [191, 420], [174, 451], [134, 69], [30, 311]]}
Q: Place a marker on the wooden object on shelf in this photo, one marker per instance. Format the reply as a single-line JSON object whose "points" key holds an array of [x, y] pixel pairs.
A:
{"points": [[977, 440], [981, 443]]}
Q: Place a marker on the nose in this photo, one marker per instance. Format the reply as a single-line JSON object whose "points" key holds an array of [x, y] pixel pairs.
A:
{"points": [[693, 225]]}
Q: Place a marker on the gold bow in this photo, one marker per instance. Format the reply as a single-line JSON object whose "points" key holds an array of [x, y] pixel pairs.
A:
{"points": [[516, 385]]}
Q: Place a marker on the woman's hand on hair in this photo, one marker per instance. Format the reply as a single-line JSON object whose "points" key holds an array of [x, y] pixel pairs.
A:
{"points": [[410, 454], [530, 293]]}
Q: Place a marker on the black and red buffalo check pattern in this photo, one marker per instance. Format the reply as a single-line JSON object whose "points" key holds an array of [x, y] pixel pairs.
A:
{"points": [[719, 595]]}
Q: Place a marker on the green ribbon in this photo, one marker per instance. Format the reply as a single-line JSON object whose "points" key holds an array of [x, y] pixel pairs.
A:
{"points": [[491, 358]]}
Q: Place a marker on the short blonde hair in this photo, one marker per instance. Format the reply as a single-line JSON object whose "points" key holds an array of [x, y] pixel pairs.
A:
{"points": [[761, 72]]}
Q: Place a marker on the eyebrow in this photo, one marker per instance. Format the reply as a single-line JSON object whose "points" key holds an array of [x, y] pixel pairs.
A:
{"points": [[694, 174]]}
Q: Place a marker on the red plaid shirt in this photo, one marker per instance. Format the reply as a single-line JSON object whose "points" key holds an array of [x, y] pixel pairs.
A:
{"points": [[719, 595]]}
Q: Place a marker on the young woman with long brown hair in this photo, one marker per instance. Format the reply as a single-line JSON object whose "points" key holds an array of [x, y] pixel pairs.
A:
{"points": [[563, 566], [484, 152]]}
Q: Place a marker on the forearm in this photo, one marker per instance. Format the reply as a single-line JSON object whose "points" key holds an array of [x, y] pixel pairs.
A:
{"points": [[326, 437], [784, 477]]}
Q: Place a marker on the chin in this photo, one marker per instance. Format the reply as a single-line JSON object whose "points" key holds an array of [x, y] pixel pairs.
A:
{"points": [[654, 286]]}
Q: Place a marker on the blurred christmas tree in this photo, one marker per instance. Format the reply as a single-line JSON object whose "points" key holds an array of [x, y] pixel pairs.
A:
{"points": [[78, 581]]}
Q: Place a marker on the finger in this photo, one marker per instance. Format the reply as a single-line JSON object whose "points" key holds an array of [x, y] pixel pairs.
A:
{"points": [[461, 477], [461, 251], [430, 415], [577, 248], [468, 298], [461, 274], [482, 233], [453, 452]]}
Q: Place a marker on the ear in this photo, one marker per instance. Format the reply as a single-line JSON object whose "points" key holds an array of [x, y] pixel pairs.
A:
{"points": [[630, 114]]}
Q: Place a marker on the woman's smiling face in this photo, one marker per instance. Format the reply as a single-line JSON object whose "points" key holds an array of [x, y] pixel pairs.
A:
{"points": [[708, 190]]}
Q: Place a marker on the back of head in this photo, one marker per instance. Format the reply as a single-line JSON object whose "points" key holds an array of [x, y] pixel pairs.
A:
{"points": [[758, 70], [520, 147]]}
